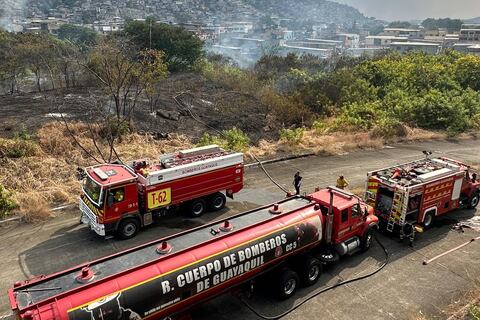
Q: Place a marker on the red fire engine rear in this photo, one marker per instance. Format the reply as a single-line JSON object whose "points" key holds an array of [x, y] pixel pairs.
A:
{"points": [[168, 276], [122, 198], [411, 195]]}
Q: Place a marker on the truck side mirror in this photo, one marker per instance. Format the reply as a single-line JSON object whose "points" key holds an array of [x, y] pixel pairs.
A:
{"points": [[110, 200]]}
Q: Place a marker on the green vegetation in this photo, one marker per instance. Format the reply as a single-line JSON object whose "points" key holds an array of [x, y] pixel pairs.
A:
{"points": [[80, 36], [382, 94], [7, 204], [399, 24], [182, 49], [232, 139], [292, 136], [450, 24]]}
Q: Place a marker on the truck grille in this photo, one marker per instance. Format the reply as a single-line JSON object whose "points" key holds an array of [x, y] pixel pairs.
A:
{"points": [[86, 211]]}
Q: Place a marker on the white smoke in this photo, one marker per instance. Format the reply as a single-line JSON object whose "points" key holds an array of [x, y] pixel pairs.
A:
{"points": [[12, 12]]}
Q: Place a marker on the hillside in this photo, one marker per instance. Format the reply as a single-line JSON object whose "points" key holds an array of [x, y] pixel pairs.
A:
{"points": [[201, 10], [316, 10]]}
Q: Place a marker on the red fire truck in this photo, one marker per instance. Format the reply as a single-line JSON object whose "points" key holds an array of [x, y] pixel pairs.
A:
{"points": [[166, 277], [410, 196], [121, 198]]}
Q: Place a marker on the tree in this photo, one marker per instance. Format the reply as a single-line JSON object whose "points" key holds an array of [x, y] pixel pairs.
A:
{"points": [[12, 66], [77, 35], [181, 48], [124, 73], [450, 24], [399, 24]]}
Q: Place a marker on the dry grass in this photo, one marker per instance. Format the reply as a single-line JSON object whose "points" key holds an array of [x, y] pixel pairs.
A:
{"points": [[46, 177], [338, 142]]}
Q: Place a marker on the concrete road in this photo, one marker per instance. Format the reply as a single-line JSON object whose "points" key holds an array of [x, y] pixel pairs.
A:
{"points": [[401, 290]]}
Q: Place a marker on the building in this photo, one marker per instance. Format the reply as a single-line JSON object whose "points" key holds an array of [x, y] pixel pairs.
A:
{"points": [[322, 53], [349, 40], [467, 48], [470, 33], [404, 47], [403, 32], [382, 41]]}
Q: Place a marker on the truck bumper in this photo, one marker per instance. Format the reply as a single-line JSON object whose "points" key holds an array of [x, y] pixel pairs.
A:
{"points": [[88, 217]]}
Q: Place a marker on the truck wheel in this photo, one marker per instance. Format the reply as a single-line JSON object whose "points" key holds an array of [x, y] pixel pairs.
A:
{"points": [[197, 208], [428, 219], [217, 201], [287, 284], [128, 228], [366, 241], [310, 271], [473, 201]]}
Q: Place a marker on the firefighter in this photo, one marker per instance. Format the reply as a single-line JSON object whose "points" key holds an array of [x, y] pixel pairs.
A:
{"points": [[342, 183], [119, 195], [297, 182]]}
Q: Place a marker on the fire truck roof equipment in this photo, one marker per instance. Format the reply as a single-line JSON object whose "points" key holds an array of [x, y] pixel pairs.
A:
{"points": [[188, 163], [418, 171]]}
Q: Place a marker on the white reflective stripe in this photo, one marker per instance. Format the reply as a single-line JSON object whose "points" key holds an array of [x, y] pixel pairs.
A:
{"points": [[91, 219]]}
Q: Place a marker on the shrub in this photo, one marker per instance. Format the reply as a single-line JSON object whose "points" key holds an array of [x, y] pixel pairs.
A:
{"points": [[18, 148], [208, 139], [7, 204], [388, 127], [293, 136], [232, 139], [320, 127], [236, 139]]}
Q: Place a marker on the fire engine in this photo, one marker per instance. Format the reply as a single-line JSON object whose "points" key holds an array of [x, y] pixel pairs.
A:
{"points": [[289, 239], [121, 198], [410, 196]]}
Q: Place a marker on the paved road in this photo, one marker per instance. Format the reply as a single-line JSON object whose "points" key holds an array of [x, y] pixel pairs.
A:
{"points": [[404, 288]]}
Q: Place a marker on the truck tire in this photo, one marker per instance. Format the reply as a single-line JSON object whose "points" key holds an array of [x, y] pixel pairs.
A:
{"points": [[197, 208], [367, 239], [287, 283], [128, 228], [473, 201], [310, 271], [428, 219], [217, 201]]}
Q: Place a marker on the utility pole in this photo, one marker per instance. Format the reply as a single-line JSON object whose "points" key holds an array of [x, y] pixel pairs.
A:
{"points": [[150, 34]]}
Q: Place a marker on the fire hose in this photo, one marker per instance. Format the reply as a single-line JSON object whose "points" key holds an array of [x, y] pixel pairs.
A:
{"points": [[320, 290], [425, 262]]}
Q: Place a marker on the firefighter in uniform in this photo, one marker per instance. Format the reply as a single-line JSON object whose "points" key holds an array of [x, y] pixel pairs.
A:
{"points": [[342, 183], [297, 182]]}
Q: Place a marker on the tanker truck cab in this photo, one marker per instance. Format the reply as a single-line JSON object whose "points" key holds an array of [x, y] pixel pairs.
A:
{"points": [[110, 199], [349, 222]]}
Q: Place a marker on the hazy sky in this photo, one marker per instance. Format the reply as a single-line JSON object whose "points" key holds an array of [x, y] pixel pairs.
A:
{"points": [[416, 9]]}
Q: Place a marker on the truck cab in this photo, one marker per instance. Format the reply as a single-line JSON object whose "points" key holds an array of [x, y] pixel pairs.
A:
{"points": [[349, 221], [109, 192]]}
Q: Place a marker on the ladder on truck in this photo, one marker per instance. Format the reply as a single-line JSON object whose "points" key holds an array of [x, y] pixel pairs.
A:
{"points": [[398, 213]]}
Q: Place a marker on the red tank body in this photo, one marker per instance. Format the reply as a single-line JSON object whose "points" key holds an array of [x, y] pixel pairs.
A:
{"points": [[164, 277]]}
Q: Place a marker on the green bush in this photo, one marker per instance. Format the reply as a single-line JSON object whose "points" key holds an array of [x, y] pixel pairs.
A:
{"points": [[293, 136], [320, 127], [236, 139], [7, 204], [232, 139], [208, 139]]}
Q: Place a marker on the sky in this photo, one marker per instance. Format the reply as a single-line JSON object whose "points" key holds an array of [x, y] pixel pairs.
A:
{"points": [[416, 9]]}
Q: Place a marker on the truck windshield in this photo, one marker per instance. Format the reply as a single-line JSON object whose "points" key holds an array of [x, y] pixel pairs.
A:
{"points": [[92, 189]]}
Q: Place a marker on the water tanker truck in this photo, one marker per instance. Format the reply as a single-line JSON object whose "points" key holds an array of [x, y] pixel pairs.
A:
{"points": [[291, 239]]}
